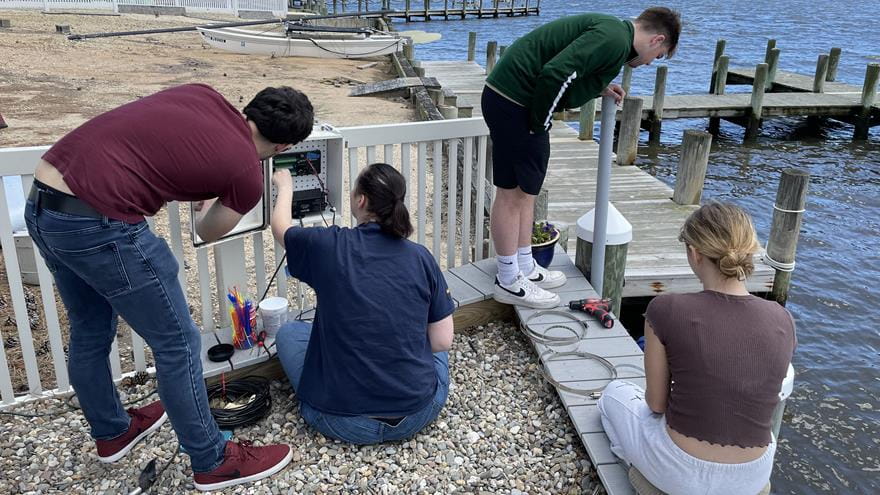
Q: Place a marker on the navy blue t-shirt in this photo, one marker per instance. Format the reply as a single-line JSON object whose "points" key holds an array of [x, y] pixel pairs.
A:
{"points": [[369, 352]]}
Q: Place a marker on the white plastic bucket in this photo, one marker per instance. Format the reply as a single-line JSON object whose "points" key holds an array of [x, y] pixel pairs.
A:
{"points": [[273, 312]]}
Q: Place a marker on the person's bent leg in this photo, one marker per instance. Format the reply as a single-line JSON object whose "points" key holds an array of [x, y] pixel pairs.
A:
{"points": [[93, 325], [157, 310], [291, 343]]}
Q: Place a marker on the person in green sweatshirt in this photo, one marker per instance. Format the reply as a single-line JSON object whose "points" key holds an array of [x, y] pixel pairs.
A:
{"points": [[562, 64]]}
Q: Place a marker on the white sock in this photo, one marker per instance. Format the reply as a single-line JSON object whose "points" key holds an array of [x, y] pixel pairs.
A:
{"points": [[525, 261], [507, 269]]}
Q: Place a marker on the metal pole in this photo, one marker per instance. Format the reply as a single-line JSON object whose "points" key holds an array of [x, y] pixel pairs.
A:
{"points": [[603, 187]]}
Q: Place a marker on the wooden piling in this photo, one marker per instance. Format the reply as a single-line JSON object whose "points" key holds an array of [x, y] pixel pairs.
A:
{"points": [[833, 60], [692, 165], [869, 92], [626, 81], [757, 103], [491, 49], [587, 120], [501, 49], [771, 44], [409, 50], [785, 229], [448, 112], [472, 46], [406, 9], [659, 95], [719, 51], [630, 126], [821, 72], [772, 64], [427, 10], [720, 87]]}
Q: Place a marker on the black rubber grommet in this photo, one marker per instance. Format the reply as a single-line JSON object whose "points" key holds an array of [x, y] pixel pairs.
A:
{"points": [[220, 352]]}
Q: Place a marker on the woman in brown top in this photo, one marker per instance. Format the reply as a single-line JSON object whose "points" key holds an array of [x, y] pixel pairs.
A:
{"points": [[714, 365]]}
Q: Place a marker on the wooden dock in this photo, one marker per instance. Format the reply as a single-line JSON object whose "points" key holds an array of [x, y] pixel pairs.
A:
{"points": [[471, 285], [656, 261], [426, 10]]}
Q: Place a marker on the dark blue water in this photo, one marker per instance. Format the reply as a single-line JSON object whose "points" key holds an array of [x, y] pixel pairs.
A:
{"points": [[830, 440]]}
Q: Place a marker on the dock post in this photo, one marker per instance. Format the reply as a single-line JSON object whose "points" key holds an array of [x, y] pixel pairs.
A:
{"points": [[472, 46], [626, 80], [720, 87], [772, 64], [630, 126], [427, 10], [692, 165], [771, 44], [757, 104], [495, 9], [466, 111], [409, 49], [659, 95], [785, 229], [833, 60], [587, 120], [335, 7], [869, 92], [821, 72], [406, 10], [501, 49], [448, 112], [491, 48], [719, 51], [446, 10]]}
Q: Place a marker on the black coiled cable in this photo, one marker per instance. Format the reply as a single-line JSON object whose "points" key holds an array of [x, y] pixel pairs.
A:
{"points": [[248, 413]]}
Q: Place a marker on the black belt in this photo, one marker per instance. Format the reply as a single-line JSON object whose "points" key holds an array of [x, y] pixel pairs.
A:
{"points": [[49, 198]]}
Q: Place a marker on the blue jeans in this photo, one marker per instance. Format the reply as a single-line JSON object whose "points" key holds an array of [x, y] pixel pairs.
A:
{"points": [[106, 268], [292, 341]]}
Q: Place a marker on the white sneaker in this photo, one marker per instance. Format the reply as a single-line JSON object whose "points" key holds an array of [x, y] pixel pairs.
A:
{"points": [[546, 279], [525, 293]]}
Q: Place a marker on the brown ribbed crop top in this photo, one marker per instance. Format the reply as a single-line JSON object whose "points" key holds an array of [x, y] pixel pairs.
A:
{"points": [[727, 358]]}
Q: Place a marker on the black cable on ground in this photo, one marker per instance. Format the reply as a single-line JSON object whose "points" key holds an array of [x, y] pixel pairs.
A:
{"points": [[253, 390]]}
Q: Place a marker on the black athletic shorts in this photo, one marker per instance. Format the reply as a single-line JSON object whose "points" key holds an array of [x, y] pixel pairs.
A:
{"points": [[519, 158]]}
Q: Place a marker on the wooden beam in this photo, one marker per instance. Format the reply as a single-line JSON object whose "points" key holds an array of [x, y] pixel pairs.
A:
{"points": [[482, 313]]}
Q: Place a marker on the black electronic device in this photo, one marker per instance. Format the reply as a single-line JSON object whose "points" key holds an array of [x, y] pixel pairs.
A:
{"points": [[308, 201]]}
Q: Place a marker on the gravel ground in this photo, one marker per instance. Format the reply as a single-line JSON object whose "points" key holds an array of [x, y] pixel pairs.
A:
{"points": [[502, 431]]}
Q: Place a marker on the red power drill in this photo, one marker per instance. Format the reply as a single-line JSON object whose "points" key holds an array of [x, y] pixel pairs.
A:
{"points": [[599, 308]]}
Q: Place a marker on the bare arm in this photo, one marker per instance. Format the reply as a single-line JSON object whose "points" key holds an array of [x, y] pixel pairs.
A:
{"points": [[440, 334], [281, 213], [214, 220], [656, 372]]}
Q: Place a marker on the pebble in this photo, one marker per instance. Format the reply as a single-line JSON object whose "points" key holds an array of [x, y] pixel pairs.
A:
{"points": [[501, 431]]}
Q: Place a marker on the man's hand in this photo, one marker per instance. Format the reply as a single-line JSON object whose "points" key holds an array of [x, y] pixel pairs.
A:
{"points": [[616, 91], [282, 179]]}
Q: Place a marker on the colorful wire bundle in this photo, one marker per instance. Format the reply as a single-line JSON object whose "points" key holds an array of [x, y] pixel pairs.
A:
{"points": [[243, 314]]}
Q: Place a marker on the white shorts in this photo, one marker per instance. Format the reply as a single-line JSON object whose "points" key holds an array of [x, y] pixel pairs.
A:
{"points": [[638, 436]]}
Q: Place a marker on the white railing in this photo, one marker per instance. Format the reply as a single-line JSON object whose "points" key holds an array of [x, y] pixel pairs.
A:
{"points": [[276, 7], [416, 149]]}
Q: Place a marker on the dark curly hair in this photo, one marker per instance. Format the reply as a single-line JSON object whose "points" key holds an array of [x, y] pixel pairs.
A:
{"points": [[385, 189], [283, 115]]}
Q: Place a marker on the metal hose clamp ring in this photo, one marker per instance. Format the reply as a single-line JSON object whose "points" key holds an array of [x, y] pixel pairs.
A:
{"points": [[543, 338]]}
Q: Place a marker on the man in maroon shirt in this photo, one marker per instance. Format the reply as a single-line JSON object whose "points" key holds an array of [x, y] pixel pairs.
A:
{"points": [[86, 212]]}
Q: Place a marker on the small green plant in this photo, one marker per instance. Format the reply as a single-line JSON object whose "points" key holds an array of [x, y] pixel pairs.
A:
{"points": [[543, 232]]}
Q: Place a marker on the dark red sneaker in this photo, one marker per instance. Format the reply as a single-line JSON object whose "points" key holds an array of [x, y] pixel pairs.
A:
{"points": [[243, 463], [144, 421]]}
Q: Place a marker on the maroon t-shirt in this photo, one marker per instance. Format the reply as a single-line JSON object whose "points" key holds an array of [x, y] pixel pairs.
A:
{"points": [[186, 143]]}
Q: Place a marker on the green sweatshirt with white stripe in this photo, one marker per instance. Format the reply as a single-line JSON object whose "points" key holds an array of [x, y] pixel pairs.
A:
{"points": [[563, 64]]}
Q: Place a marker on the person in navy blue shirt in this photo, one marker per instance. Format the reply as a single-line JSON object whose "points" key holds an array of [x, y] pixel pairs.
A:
{"points": [[374, 366]]}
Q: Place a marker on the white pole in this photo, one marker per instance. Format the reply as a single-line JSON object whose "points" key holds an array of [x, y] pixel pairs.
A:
{"points": [[603, 186]]}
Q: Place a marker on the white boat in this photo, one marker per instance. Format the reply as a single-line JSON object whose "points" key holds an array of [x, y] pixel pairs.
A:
{"points": [[304, 41]]}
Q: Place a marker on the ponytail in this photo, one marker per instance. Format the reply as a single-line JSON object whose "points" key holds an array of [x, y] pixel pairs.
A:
{"points": [[385, 188]]}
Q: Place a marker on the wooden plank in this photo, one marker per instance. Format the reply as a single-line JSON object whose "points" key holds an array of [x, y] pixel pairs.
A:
{"points": [[389, 85], [463, 293], [581, 370], [599, 448], [615, 479], [586, 419], [476, 278], [481, 313]]}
